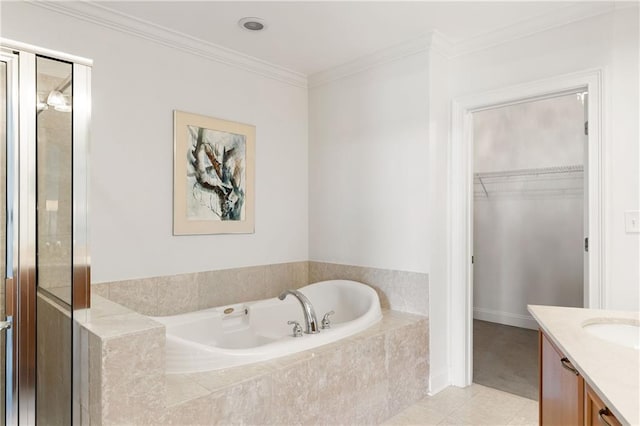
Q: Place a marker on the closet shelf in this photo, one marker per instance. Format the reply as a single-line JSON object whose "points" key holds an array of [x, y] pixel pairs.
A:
{"points": [[531, 172], [501, 182]]}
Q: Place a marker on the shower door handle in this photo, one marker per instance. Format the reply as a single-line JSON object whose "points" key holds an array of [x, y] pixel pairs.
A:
{"points": [[4, 325]]}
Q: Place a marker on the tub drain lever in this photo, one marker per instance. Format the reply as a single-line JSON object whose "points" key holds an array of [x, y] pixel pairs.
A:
{"points": [[326, 322], [297, 328]]}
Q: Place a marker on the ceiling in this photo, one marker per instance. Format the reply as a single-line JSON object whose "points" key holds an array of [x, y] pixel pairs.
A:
{"points": [[309, 37]]}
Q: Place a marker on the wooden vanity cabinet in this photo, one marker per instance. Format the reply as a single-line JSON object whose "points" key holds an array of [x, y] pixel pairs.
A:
{"points": [[561, 387], [596, 411]]}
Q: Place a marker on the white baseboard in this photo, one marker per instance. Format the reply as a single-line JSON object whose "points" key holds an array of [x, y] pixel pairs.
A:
{"points": [[438, 381], [506, 318]]}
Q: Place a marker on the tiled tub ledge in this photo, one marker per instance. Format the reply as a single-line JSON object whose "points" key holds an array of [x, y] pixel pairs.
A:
{"points": [[363, 379]]}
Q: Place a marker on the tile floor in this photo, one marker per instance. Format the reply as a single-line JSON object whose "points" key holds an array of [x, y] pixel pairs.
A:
{"points": [[474, 405]]}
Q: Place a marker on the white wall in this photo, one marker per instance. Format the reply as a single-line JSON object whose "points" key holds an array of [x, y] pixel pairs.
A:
{"points": [[438, 219], [136, 86], [529, 135], [527, 251], [412, 96], [368, 173], [377, 153], [608, 42], [523, 222]]}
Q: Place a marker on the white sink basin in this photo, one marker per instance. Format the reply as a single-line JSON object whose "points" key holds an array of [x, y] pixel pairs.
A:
{"points": [[625, 334]]}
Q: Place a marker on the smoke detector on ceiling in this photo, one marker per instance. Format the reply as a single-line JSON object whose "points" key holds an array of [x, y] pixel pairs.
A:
{"points": [[252, 24]]}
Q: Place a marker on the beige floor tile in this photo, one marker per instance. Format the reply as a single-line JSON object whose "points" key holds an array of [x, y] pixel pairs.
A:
{"points": [[473, 405], [527, 415], [417, 414], [451, 398]]}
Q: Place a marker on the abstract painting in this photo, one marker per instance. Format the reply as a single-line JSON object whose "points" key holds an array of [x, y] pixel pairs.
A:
{"points": [[213, 175]]}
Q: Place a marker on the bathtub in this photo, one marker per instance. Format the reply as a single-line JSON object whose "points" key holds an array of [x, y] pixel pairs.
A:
{"points": [[244, 333]]}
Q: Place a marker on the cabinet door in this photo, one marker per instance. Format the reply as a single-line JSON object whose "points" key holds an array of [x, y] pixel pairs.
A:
{"points": [[596, 412], [561, 388]]}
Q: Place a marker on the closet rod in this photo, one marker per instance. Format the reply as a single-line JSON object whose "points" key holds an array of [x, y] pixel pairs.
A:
{"points": [[530, 172]]}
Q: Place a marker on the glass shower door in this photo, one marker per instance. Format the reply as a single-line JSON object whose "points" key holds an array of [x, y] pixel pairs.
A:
{"points": [[3, 236], [7, 295], [54, 244]]}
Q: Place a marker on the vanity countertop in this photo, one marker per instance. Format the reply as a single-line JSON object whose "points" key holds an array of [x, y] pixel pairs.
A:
{"points": [[611, 369]]}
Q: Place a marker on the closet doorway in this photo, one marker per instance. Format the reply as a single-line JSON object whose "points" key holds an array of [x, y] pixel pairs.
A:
{"points": [[529, 230]]}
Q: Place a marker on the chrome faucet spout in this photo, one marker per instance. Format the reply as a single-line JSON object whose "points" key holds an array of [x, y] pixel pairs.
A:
{"points": [[311, 323]]}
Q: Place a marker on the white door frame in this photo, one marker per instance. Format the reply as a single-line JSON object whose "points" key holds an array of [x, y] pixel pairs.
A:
{"points": [[460, 181]]}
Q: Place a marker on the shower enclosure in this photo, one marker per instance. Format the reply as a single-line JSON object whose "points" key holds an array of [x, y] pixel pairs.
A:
{"points": [[44, 119]]}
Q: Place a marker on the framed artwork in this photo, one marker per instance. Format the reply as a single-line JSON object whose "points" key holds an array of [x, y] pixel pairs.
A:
{"points": [[213, 175]]}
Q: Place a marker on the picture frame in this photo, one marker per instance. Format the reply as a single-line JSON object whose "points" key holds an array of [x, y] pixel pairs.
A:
{"points": [[213, 175]]}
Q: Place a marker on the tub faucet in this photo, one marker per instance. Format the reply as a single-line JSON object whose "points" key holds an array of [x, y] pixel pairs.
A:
{"points": [[310, 320]]}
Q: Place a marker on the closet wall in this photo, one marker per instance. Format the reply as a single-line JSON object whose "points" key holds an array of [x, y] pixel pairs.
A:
{"points": [[528, 208]]}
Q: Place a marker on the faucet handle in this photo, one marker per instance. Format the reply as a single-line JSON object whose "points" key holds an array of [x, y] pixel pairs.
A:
{"points": [[297, 329], [326, 322]]}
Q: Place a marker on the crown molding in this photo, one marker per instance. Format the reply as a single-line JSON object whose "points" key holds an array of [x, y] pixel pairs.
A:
{"points": [[106, 17], [558, 18], [433, 40], [437, 42]]}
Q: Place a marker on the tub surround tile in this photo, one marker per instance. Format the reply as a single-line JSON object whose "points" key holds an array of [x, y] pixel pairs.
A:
{"points": [[194, 412], [284, 276], [138, 295], [84, 417], [368, 362], [372, 405], [101, 290], [299, 274], [125, 356], [245, 403], [175, 294], [94, 402], [290, 360], [81, 404], [362, 379], [218, 380], [124, 324], [407, 364], [169, 295], [408, 292], [213, 287], [347, 382], [249, 282], [181, 388], [133, 365], [336, 386], [100, 308], [141, 405]]}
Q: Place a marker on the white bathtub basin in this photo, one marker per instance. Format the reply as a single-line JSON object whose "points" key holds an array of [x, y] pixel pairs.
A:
{"points": [[257, 331]]}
